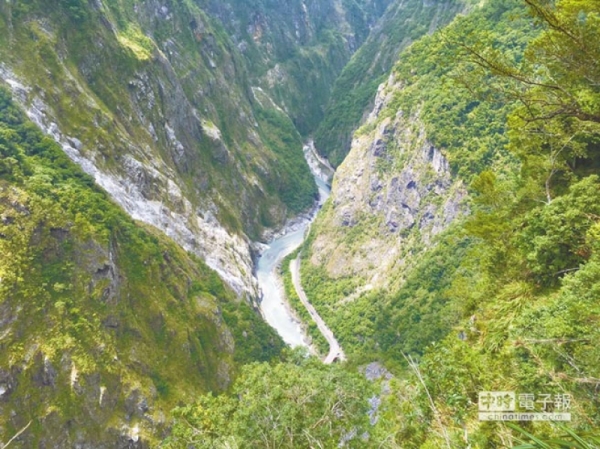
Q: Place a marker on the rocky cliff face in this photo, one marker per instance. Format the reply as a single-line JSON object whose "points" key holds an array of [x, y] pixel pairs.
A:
{"points": [[180, 111], [297, 49], [391, 196], [155, 101], [133, 113], [383, 256], [403, 23], [150, 189], [105, 324]]}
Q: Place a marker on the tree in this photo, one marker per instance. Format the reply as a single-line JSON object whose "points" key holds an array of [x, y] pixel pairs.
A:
{"points": [[555, 129], [553, 238], [298, 404]]}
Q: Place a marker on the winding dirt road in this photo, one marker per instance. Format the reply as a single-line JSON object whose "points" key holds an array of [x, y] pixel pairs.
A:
{"points": [[335, 350]]}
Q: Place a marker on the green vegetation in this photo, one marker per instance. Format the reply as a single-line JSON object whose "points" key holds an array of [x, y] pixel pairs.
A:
{"points": [[354, 90], [318, 340], [568, 440], [471, 129], [291, 179], [299, 403], [94, 300], [506, 300]]}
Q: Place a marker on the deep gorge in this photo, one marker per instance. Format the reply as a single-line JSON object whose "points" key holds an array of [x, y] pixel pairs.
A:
{"points": [[150, 151]]}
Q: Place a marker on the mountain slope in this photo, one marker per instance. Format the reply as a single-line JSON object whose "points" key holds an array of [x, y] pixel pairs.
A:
{"points": [[152, 101], [460, 242], [354, 91], [296, 50], [178, 109], [403, 184], [105, 323]]}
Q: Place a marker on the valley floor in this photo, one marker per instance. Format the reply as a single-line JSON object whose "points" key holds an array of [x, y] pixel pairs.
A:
{"points": [[335, 350]]}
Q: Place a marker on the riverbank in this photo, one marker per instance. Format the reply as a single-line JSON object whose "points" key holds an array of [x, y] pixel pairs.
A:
{"points": [[318, 342], [274, 306], [323, 173], [335, 350]]}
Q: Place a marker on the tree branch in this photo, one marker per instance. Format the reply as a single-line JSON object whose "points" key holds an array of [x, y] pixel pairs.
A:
{"points": [[434, 409], [17, 435]]}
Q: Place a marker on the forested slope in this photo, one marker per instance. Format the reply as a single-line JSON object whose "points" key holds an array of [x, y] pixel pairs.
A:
{"points": [[494, 289], [106, 324], [177, 109], [355, 89]]}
